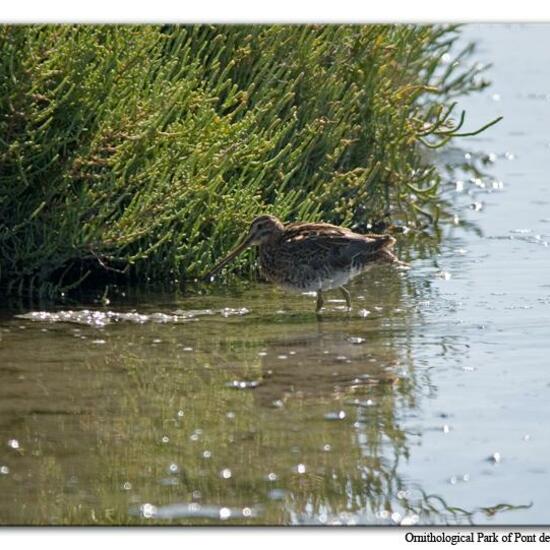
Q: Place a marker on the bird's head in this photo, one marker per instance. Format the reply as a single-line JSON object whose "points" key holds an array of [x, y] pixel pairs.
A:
{"points": [[262, 229]]}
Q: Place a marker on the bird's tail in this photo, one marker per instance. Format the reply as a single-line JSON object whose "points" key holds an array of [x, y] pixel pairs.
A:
{"points": [[381, 251], [401, 265], [386, 255]]}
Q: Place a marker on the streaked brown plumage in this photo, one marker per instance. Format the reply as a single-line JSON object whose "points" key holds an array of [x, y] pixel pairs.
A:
{"points": [[312, 257]]}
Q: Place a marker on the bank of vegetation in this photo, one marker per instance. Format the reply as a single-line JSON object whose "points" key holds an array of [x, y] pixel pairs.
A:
{"points": [[140, 153]]}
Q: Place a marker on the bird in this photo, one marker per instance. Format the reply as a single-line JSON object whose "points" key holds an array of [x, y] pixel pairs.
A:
{"points": [[312, 257]]}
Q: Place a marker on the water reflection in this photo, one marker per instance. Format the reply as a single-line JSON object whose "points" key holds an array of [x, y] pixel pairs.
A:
{"points": [[267, 416]]}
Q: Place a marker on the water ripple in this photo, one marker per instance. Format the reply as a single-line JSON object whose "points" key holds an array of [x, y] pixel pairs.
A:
{"points": [[192, 510]]}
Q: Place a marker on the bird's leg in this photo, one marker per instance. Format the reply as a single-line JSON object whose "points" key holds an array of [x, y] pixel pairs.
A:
{"points": [[347, 296], [320, 301]]}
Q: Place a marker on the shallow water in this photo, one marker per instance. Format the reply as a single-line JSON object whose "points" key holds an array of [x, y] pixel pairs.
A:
{"points": [[426, 404]]}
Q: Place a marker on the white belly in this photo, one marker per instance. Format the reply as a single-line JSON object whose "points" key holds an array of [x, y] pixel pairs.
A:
{"points": [[336, 280]]}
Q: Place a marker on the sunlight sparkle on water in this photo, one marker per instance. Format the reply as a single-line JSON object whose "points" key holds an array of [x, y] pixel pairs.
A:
{"points": [[495, 458], [411, 519], [337, 415], [225, 513], [243, 384]]}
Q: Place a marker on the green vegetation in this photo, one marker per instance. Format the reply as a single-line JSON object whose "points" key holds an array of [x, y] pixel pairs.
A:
{"points": [[146, 150]]}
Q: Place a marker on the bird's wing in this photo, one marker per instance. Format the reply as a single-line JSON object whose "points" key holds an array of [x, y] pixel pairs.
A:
{"points": [[324, 246]]}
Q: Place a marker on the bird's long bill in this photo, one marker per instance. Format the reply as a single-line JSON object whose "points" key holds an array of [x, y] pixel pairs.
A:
{"points": [[231, 256]]}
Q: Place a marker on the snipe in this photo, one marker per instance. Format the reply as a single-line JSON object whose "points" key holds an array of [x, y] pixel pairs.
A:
{"points": [[312, 257]]}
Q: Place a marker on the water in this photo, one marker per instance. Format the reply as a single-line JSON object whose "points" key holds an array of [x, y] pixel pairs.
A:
{"points": [[426, 404]]}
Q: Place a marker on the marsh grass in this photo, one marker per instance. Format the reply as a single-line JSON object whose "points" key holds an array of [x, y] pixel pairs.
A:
{"points": [[142, 152]]}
